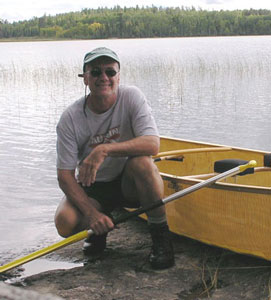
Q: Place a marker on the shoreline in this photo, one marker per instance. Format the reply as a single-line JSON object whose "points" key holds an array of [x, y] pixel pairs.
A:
{"points": [[123, 272], [39, 39]]}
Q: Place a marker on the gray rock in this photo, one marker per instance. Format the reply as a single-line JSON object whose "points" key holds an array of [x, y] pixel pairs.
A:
{"points": [[8, 292]]}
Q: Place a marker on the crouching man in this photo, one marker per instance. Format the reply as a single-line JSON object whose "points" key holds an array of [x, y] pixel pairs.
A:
{"points": [[105, 141]]}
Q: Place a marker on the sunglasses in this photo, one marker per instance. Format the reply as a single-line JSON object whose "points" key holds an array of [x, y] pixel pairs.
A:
{"points": [[99, 72]]}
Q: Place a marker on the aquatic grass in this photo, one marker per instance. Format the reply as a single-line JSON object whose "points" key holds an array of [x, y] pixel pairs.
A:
{"points": [[54, 73], [38, 93], [203, 98], [203, 95], [165, 73], [177, 71]]}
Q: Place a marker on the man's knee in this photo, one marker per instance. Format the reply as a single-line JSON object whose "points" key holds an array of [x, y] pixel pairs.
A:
{"points": [[65, 219], [63, 225], [141, 166]]}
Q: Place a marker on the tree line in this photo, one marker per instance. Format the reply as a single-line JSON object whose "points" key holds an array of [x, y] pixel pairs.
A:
{"points": [[144, 22]]}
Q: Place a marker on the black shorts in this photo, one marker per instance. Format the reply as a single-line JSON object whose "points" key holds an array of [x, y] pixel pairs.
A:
{"points": [[109, 195]]}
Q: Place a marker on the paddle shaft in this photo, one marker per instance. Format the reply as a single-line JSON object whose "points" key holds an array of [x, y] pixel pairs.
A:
{"points": [[68, 241], [85, 233], [184, 192]]}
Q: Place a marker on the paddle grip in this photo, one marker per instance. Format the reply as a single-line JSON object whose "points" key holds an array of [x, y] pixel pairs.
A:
{"points": [[137, 212], [180, 158]]}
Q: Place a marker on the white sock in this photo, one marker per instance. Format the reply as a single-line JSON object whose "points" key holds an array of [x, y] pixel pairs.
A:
{"points": [[157, 220]]}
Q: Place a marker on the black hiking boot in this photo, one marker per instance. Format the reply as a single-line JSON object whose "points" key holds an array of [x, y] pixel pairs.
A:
{"points": [[94, 245], [162, 254]]}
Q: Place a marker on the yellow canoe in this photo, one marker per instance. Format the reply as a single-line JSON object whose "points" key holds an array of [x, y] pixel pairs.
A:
{"points": [[234, 213]]}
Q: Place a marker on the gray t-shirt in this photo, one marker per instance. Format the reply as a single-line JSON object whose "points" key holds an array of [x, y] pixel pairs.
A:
{"points": [[78, 134]]}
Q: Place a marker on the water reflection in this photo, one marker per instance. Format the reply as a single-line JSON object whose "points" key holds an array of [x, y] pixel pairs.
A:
{"points": [[41, 265]]}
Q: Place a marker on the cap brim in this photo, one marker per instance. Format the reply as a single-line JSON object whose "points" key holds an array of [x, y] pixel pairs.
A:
{"points": [[100, 55]]}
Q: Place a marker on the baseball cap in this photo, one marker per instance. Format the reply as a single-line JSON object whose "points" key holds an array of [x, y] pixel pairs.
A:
{"points": [[98, 52]]}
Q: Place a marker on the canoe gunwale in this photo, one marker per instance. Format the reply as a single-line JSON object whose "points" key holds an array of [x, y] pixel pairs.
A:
{"points": [[189, 180], [207, 144]]}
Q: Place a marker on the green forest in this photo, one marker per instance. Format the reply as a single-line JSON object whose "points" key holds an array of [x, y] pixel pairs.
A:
{"points": [[140, 22]]}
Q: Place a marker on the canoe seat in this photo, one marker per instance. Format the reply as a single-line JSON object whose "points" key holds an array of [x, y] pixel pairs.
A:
{"points": [[224, 165], [267, 160]]}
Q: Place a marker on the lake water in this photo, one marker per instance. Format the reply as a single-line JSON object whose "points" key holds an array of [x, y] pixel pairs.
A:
{"points": [[208, 89]]}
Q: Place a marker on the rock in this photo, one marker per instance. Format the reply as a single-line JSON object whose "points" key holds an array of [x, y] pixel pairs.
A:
{"points": [[8, 292]]}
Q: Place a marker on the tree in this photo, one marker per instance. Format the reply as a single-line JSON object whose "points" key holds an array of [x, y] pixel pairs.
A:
{"points": [[141, 22]]}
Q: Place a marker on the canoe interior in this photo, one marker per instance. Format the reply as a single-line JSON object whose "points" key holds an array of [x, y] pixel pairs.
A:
{"points": [[201, 163], [232, 214]]}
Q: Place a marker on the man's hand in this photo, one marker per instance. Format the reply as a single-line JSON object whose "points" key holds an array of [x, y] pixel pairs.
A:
{"points": [[100, 223], [90, 165], [139, 146]]}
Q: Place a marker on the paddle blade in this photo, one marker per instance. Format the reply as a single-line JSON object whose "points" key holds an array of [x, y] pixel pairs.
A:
{"points": [[70, 240]]}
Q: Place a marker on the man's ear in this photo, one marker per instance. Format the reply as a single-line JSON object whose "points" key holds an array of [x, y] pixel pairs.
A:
{"points": [[85, 79]]}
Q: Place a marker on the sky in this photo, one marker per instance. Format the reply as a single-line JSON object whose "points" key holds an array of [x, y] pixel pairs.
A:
{"points": [[18, 10]]}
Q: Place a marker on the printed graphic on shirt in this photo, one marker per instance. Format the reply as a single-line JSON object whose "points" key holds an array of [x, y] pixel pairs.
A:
{"points": [[110, 137]]}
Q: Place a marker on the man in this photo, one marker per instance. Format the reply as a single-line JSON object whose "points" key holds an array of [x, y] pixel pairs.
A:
{"points": [[109, 136]]}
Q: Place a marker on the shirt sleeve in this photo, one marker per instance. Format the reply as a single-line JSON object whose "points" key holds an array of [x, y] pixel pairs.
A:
{"points": [[67, 149], [142, 120]]}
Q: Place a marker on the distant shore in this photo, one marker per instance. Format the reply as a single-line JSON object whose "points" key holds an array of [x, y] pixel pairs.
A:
{"points": [[30, 39], [39, 39]]}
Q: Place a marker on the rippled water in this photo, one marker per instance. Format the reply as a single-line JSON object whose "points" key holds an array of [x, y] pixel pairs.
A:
{"points": [[207, 89]]}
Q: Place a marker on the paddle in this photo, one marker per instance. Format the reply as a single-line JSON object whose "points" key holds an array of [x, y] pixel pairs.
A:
{"points": [[84, 234], [177, 154]]}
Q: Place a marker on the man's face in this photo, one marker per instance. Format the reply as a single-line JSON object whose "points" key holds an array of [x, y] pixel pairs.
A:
{"points": [[102, 77]]}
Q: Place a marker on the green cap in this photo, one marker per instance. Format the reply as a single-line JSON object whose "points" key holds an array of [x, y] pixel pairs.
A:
{"points": [[98, 52]]}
